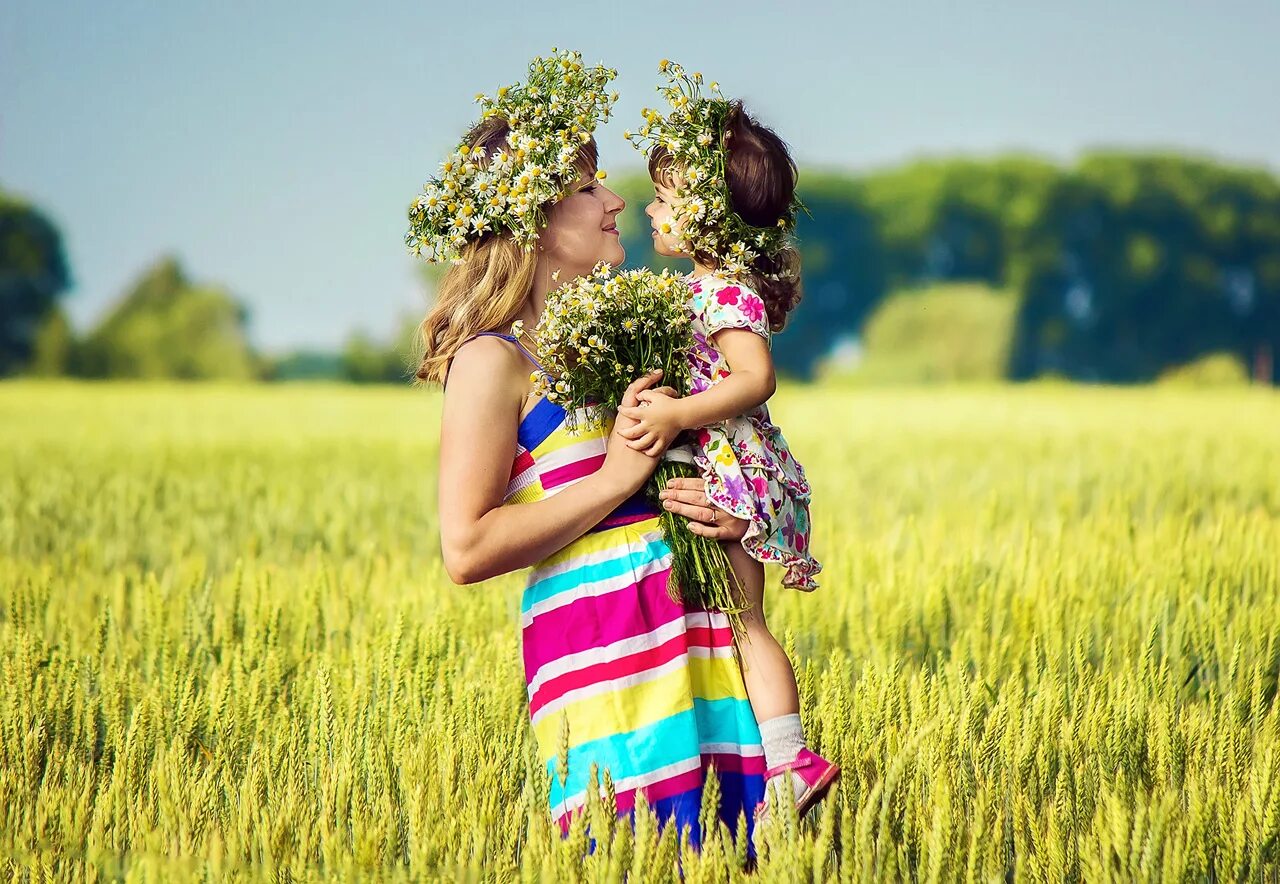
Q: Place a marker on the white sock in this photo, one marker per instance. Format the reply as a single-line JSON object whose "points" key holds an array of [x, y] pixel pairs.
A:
{"points": [[783, 738]]}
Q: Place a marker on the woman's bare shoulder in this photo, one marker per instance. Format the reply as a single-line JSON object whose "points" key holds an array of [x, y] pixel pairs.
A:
{"points": [[489, 361]]}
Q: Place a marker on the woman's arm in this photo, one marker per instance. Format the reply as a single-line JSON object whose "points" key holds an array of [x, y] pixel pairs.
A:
{"points": [[480, 538], [750, 383]]}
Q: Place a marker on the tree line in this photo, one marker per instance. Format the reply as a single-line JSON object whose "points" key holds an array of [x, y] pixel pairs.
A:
{"points": [[1117, 267]]}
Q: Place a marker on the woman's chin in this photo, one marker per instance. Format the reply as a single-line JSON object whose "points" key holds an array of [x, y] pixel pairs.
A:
{"points": [[615, 254]]}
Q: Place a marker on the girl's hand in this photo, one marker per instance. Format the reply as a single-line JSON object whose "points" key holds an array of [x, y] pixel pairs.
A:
{"points": [[687, 497], [658, 418], [627, 468]]}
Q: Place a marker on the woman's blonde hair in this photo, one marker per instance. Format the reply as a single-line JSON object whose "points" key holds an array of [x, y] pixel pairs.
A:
{"points": [[483, 294], [489, 288]]}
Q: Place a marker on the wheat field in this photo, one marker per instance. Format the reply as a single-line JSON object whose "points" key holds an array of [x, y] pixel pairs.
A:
{"points": [[1046, 647]]}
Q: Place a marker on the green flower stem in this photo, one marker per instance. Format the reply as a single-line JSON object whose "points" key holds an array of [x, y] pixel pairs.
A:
{"points": [[700, 575]]}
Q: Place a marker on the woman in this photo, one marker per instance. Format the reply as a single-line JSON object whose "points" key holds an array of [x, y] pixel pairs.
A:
{"points": [[619, 674]]}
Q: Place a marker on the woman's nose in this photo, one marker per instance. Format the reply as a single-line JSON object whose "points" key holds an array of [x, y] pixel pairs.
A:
{"points": [[618, 203]]}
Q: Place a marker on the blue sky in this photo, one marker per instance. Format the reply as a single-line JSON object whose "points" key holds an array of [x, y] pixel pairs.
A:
{"points": [[274, 146]]}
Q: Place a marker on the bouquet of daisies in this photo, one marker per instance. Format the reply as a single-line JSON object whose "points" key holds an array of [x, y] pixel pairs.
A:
{"points": [[599, 333]]}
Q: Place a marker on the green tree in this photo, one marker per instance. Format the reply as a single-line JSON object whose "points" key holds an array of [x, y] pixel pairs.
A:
{"points": [[1137, 263], [956, 219], [166, 327], [843, 271], [54, 349], [366, 360], [1213, 370], [945, 333], [33, 274], [306, 365]]}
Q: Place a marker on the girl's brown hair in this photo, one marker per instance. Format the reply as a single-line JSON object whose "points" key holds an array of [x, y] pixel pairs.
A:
{"points": [[761, 178], [488, 289]]}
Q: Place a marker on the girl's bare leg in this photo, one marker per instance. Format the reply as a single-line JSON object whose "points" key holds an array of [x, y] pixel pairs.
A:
{"points": [[771, 686], [770, 680]]}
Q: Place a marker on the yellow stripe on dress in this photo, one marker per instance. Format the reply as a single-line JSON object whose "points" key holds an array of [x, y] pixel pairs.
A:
{"points": [[597, 716], [530, 493], [563, 438], [618, 538]]}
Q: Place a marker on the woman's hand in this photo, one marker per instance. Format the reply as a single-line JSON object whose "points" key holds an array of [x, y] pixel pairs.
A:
{"points": [[627, 468], [687, 497]]}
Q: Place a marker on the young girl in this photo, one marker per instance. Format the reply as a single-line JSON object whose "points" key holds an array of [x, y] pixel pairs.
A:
{"points": [[725, 199]]}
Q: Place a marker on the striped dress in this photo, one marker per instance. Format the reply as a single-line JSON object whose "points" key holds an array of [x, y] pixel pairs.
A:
{"points": [[650, 690]]}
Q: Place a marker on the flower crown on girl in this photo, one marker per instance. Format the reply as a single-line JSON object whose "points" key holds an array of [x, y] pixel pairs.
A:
{"points": [[550, 118], [693, 133]]}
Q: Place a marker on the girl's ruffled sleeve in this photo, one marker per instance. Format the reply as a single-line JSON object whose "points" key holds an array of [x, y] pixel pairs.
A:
{"points": [[732, 305]]}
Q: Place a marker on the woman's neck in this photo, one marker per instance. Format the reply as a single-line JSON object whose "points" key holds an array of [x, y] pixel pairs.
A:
{"points": [[543, 284], [531, 313], [700, 269]]}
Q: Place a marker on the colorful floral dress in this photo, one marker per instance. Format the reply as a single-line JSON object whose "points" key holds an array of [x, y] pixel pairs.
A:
{"points": [[745, 460]]}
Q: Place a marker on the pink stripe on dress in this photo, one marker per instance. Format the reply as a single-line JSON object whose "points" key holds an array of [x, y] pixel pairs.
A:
{"points": [[694, 638], [565, 630], [523, 461], [748, 764], [576, 470], [653, 793], [683, 782], [662, 789], [640, 661]]}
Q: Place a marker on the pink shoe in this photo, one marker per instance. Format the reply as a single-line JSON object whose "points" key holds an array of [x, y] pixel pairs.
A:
{"points": [[815, 772]]}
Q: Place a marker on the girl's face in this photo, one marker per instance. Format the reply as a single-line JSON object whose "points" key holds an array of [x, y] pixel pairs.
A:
{"points": [[666, 228], [582, 229]]}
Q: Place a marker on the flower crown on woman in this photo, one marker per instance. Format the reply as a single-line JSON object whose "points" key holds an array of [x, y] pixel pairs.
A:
{"points": [[693, 134], [550, 118]]}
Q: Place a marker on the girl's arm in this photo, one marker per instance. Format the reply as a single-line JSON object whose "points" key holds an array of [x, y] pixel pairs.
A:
{"points": [[480, 538], [750, 383]]}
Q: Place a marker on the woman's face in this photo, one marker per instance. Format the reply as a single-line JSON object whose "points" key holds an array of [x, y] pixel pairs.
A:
{"points": [[666, 227], [582, 229]]}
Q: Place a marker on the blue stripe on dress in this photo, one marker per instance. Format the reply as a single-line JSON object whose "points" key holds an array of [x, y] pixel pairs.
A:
{"points": [[738, 792], [631, 509], [628, 563], [538, 425], [655, 746]]}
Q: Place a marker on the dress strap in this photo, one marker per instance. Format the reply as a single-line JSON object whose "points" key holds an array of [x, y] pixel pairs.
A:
{"points": [[512, 339]]}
